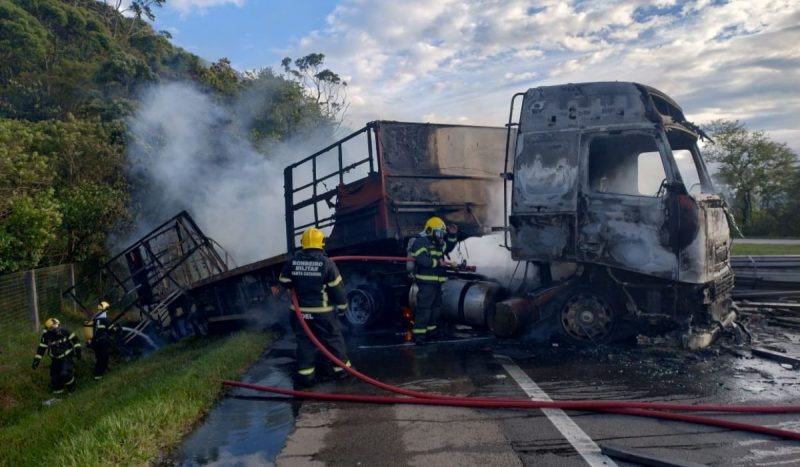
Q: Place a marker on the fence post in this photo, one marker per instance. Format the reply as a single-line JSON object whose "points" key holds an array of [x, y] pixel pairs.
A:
{"points": [[72, 285], [33, 299]]}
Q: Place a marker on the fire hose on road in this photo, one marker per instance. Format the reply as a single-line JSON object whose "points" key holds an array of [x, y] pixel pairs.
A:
{"points": [[637, 408]]}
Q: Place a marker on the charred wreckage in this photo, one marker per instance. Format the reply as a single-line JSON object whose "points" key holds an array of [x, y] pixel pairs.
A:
{"points": [[604, 194]]}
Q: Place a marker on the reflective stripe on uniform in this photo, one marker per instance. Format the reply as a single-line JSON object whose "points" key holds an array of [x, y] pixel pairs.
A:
{"points": [[306, 371], [431, 328], [419, 331], [285, 280], [337, 369], [436, 253], [427, 278], [314, 309], [37, 357], [335, 282], [343, 306], [420, 251], [434, 263]]}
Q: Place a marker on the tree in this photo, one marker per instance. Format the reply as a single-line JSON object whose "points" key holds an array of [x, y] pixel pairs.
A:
{"points": [[222, 78], [124, 28], [29, 213], [755, 168], [87, 157], [276, 108], [326, 87]]}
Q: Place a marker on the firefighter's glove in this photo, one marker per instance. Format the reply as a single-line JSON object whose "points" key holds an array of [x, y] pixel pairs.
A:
{"points": [[35, 363]]}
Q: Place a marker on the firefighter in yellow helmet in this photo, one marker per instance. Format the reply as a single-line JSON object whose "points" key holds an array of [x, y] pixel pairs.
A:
{"points": [[103, 333], [62, 346], [320, 291], [429, 250]]}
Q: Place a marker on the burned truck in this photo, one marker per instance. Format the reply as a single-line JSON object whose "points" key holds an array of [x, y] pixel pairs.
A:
{"points": [[608, 178], [600, 187]]}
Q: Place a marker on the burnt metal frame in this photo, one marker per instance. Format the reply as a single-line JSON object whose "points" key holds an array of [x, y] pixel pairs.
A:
{"points": [[511, 124], [292, 230], [181, 224]]}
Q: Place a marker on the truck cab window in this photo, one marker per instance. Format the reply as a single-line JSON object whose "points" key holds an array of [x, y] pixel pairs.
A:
{"points": [[627, 164], [687, 159], [688, 170]]}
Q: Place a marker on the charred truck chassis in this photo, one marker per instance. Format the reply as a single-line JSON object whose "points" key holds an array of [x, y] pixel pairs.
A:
{"points": [[408, 173], [653, 254], [371, 191]]}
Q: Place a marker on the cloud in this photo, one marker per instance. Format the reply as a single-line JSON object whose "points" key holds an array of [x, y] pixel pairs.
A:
{"points": [[466, 58], [185, 7]]}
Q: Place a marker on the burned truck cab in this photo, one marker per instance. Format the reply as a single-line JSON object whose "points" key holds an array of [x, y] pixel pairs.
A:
{"points": [[608, 176]]}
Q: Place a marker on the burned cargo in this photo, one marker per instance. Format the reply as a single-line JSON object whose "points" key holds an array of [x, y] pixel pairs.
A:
{"points": [[609, 177]]}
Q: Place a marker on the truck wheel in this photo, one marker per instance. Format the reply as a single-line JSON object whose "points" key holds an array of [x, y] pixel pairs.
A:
{"points": [[364, 306], [586, 318]]}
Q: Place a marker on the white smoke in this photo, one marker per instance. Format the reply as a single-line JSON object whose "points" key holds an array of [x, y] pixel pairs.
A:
{"points": [[189, 153]]}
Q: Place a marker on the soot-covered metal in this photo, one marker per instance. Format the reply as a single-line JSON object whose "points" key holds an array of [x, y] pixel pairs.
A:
{"points": [[597, 182]]}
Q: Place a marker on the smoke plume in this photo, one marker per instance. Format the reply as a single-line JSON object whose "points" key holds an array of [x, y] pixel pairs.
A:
{"points": [[188, 152]]}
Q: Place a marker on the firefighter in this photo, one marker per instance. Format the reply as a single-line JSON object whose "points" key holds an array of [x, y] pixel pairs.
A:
{"points": [[320, 292], [102, 336], [62, 346], [429, 251]]}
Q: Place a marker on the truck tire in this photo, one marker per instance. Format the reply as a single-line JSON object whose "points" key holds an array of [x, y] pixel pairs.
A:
{"points": [[586, 317], [364, 307]]}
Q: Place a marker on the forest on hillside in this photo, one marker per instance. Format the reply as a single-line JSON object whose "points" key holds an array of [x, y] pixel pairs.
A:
{"points": [[72, 73]]}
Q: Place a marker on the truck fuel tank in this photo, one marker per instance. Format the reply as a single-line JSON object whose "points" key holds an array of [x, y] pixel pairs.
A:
{"points": [[469, 301]]}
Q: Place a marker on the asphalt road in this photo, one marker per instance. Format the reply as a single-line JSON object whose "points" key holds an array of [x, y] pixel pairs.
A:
{"points": [[248, 429]]}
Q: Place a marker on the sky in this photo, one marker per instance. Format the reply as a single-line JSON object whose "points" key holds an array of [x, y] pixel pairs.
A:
{"points": [[461, 61]]}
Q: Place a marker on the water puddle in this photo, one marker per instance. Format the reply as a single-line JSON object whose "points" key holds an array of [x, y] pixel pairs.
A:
{"points": [[241, 429]]}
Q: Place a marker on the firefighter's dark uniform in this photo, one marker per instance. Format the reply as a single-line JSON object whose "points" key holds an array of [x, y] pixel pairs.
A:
{"points": [[63, 346], [320, 291], [102, 335], [429, 275]]}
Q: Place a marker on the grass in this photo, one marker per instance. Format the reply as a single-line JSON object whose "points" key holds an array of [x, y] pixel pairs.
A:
{"points": [[743, 249], [133, 416]]}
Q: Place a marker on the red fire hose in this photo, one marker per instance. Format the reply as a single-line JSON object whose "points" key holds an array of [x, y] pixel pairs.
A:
{"points": [[638, 408]]}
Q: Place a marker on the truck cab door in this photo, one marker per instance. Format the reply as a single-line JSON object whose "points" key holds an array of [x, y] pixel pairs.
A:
{"points": [[544, 196], [624, 202]]}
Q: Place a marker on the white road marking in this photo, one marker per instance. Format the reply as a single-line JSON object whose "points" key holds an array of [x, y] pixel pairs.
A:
{"points": [[582, 443]]}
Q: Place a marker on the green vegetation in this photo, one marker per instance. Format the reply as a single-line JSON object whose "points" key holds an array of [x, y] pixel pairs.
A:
{"points": [[136, 412], [72, 73], [760, 176], [743, 249]]}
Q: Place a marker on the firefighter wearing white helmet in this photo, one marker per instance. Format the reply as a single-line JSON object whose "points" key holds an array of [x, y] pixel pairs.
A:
{"points": [[429, 250], [320, 291], [62, 346]]}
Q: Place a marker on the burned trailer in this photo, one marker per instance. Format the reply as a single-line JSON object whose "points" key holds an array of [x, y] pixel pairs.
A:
{"points": [[608, 176], [148, 283], [381, 194]]}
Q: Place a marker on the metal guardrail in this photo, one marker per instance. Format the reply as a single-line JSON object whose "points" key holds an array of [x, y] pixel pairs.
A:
{"points": [[766, 276]]}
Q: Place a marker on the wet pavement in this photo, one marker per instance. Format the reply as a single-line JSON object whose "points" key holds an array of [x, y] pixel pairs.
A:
{"points": [[245, 428], [248, 428]]}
